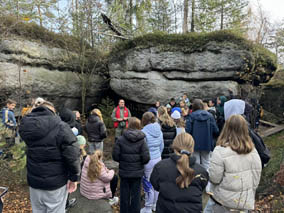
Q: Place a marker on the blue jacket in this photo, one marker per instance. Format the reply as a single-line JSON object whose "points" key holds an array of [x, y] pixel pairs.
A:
{"points": [[154, 139], [8, 118], [202, 126]]}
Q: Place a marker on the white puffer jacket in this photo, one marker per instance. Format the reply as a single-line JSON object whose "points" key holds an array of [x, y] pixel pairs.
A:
{"points": [[234, 177]]}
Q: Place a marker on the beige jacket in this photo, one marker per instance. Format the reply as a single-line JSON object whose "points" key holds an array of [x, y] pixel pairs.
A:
{"points": [[234, 177]]}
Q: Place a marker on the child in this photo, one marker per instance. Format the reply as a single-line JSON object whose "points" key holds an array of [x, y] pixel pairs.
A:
{"points": [[132, 153], [9, 124], [96, 180], [179, 179], [178, 121]]}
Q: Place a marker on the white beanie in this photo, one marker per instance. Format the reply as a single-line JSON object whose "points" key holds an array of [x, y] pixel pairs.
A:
{"points": [[176, 115]]}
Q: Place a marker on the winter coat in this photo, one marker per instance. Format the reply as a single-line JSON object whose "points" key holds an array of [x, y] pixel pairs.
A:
{"points": [[96, 129], [8, 118], [53, 155], [98, 189], [78, 125], [202, 126], [154, 140], [171, 197], [131, 151], [169, 134], [234, 177]]}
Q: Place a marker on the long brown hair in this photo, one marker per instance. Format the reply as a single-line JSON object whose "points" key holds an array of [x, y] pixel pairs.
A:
{"points": [[164, 117], [134, 123], [95, 165], [184, 145], [235, 134]]}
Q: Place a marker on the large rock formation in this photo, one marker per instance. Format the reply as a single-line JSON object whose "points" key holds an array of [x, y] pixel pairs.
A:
{"points": [[31, 69], [153, 70]]}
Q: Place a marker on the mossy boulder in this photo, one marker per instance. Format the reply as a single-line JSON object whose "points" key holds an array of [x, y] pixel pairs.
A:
{"points": [[160, 66]]}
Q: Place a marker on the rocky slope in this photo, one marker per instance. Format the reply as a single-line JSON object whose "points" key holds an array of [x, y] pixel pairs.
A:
{"points": [[160, 67], [31, 69]]}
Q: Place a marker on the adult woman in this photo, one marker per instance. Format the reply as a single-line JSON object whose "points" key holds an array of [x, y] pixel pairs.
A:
{"points": [[169, 130], [155, 142], [179, 179], [235, 169], [96, 131]]}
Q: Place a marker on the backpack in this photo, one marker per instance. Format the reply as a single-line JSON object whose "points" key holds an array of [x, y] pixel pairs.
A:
{"points": [[262, 150]]}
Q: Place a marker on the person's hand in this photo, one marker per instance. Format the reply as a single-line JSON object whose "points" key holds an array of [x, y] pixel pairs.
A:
{"points": [[71, 186], [120, 119], [125, 119]]}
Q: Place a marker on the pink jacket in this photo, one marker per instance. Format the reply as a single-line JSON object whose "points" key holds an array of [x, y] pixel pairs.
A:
{"points": [[95, 190]]}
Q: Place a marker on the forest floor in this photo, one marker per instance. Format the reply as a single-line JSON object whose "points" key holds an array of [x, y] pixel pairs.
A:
{"points": [[269, 198]]}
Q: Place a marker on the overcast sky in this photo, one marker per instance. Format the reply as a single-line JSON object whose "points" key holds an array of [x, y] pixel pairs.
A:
{"points": [[274, 8]]}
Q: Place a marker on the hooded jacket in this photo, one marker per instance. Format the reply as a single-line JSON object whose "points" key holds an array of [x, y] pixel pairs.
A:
{"points": [[53, 156], [234, 107], [169, 134], [154, 139], [202, 126], [234, 177], [131, 151], [171, 197], [96, 129]]}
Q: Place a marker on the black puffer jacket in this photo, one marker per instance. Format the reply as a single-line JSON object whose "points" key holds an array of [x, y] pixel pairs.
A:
{"points": [[169, 134], [53, 156], [131, 151], [171, 197], [96, 129]]}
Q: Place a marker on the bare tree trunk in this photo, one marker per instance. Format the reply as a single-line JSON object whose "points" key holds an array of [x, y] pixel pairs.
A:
{"points": [[222, 15], [39, 14], [192, 15], [130, 12], [185, 17]]}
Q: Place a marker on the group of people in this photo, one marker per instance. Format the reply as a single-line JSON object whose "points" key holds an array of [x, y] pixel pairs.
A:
{"points": [[175, 153]]}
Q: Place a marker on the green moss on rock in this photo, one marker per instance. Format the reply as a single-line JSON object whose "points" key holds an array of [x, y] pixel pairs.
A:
{"points": [[277, 80], [195, 42]]}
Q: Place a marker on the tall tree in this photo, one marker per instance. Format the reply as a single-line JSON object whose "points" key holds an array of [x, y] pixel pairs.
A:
{"points": [[185, 16]]}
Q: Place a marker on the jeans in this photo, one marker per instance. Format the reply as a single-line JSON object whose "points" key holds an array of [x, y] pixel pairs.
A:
{"points": [[48, 201], [130, 195], [151, 197], [202, 157], [94, 146]]}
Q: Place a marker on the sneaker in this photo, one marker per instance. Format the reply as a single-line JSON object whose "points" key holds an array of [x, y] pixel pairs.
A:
{"points": [[154, 207], [146, 210], [113, 201]]}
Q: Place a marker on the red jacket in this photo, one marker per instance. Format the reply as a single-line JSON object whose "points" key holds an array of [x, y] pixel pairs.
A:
{"points": [[117, 115]]}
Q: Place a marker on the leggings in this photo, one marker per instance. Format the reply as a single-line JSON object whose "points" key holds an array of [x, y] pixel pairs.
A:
{"points": [[113, 185]]}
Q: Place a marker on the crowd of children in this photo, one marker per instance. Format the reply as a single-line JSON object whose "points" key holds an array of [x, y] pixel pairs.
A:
{"points": [[174, 152]]}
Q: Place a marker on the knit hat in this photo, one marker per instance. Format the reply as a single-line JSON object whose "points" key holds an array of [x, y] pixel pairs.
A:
{"points": [[39, 101], [168, 106], [176, 115], [81, 140]]}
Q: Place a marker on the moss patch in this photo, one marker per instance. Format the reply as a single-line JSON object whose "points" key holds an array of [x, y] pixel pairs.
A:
{"points": [[196, 42], [32, 31]]}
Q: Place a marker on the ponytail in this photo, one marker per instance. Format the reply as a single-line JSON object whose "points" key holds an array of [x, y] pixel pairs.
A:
{"points": [[183, 145]]}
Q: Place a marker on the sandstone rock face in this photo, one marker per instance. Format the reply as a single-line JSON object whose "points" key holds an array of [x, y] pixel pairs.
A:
{"points": [[43, 71], [151, 74]]}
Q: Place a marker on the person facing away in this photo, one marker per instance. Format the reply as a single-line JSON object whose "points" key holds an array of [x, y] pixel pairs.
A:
{"points": [[155, 142], [120, 115], [179, 179], [235, 169], [96, 131], [97, 181], [220, 111], [169, 130], [53, 158], [68, 117], [202, 126], [132, 153], [78, 124], [179, 122], [9, 123]]}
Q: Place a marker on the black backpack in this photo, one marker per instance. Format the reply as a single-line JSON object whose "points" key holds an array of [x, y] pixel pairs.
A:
{"points": [[262, 150]]}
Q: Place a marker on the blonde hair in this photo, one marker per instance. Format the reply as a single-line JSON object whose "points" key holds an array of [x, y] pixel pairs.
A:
{"points": [[180, 122], [183, 145], [95, 166], [235, 134], [98, 113], [164, 117]]}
